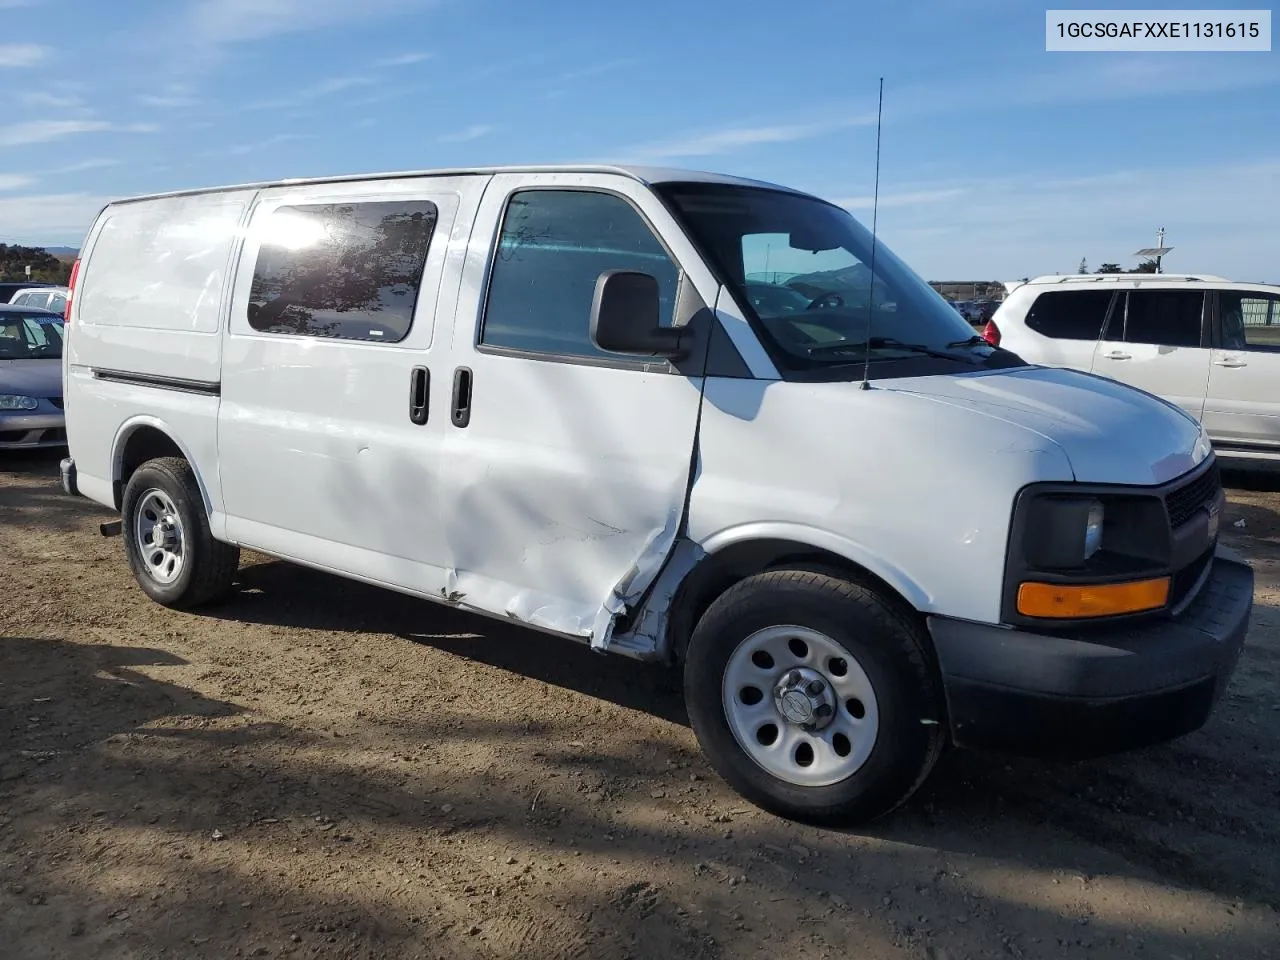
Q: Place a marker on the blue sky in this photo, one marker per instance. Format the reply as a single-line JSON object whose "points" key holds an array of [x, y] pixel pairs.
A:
{"points": [[999, 160]]}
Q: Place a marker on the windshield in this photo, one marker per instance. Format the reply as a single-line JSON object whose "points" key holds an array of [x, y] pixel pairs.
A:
{"points": [[801, 268], [30, 336]]}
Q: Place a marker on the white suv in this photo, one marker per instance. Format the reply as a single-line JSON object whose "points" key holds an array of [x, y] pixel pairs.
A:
{"points": [[1207, 344]]}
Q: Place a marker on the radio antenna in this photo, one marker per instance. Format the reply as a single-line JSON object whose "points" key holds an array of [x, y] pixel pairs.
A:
{"points": [[875, 210]]}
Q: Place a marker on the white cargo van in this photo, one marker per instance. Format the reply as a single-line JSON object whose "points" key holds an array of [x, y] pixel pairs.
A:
{"points": [[679, 417]]}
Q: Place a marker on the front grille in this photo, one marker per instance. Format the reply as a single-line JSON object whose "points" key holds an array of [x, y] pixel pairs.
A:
{"points": [[1185, 579], [1183, 503], [56, 401]]}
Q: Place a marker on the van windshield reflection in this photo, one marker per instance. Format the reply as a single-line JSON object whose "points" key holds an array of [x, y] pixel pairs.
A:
{"points": [[801, 268]]}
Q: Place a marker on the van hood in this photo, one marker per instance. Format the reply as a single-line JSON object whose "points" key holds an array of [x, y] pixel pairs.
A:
{"points": [[1109, 432]]}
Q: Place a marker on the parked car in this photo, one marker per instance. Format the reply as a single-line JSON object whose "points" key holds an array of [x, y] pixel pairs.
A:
{"points": [[42, 298], [8, 287], [30, 379], [544, 395], [1207, 344]]}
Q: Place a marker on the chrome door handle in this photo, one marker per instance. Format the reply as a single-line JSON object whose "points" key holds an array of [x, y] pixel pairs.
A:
{"points": [[1230, 362], [1117, 355]]}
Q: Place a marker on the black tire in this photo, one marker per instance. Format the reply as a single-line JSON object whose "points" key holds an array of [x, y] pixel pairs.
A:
{"points": [[209, 566], [890, 648]]}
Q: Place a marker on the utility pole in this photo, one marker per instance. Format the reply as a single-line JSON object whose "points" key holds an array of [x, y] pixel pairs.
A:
{"points": [[1157, 252]]}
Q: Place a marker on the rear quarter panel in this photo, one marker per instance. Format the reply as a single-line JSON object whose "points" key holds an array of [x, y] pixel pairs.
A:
{"points": [[150, 300]]}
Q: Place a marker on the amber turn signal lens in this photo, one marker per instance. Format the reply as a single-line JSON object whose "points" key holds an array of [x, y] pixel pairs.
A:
{"points": [[1074, 602]]}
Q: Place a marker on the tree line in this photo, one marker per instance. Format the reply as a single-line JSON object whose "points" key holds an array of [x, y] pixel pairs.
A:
{"points": [[45, 267]]}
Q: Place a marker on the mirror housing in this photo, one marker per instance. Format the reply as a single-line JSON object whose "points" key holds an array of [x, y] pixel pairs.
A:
{"points": [[624, 317]]}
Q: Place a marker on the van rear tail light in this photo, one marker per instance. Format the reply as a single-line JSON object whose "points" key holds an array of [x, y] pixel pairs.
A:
{"points": [[991, 333], [71, 291]]}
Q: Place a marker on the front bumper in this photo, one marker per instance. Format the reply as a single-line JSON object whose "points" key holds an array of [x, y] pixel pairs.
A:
{"points": [[1095, 691], [26, 431]]}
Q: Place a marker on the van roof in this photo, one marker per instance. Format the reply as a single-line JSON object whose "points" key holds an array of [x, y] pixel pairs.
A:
{"points": [[645, 174]]}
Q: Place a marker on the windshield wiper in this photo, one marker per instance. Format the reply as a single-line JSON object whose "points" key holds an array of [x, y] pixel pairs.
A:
{"points": [[877, 343], [973, 341]]}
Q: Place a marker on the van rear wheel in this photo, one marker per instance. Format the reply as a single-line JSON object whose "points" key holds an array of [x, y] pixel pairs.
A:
{"points": [[167, 539], [814, 697]]}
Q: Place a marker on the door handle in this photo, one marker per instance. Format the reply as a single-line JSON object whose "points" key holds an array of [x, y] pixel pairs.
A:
{"points": [[1117, 355], [461, 396], [419, 394], [1230, 362]]}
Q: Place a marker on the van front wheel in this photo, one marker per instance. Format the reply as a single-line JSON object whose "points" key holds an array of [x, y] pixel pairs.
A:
{"points": [[171, 551], [813, 697]]}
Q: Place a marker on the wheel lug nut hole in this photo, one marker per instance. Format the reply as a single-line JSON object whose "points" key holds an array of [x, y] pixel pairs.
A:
{"points": [[750, 695], [838, 666], [767, 734], [855, 708], [804, 755], [841, 745], [762, 659], [798, 648]]}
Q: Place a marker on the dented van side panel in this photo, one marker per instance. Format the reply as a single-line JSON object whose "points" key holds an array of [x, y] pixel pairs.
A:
{"points": [[567, 482]]}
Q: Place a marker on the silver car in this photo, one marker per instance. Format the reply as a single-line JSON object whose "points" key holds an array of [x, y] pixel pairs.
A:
{"points": [[30, 379]]}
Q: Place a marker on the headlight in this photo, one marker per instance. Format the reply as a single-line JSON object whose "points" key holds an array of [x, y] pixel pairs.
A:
{"points": [[10, 401], [1202, 448], [1079, 554], [1093, 529]]}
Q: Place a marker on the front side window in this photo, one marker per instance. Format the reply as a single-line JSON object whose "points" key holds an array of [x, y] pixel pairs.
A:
{"points": [[1250, 321], [1070, 314], [810, 282], [553, 246], [1166, 318], [345, 270]]}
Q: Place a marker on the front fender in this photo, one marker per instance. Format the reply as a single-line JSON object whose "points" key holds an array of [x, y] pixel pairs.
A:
{"points": [[896, 577]]}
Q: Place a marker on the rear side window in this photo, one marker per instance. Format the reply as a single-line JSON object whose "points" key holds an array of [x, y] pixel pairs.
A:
{"points": [[1070, 314], [350, 271], [554, 244], [1167, 318], [1250, 321]]}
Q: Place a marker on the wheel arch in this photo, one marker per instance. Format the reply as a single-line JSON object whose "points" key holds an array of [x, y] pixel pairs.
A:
{"points": [[144, 438], [728, 558]]}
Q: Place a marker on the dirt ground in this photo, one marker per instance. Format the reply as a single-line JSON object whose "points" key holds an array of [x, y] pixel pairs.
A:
{"points": [[317, 768]]}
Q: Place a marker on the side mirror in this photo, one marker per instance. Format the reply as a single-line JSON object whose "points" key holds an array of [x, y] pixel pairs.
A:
{"points": [[624, 317]]}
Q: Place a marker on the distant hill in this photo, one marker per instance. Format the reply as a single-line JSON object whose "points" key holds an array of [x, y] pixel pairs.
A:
{"points": [[63, 251]]}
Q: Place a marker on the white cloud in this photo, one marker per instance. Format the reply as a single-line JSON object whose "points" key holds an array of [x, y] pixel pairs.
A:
{"points": [[22, 54], [732, 139], [96, 163], [315, 92], [166, 102], [15, 181], [51, 101], [914, 199], [474, 132], [404, 59], [43, 131], [50, 218], [230, 21], [245, 149]]}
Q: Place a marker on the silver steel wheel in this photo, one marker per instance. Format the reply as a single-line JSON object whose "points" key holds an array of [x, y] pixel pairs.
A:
{"points": [[159, 537], [800, 705]]}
